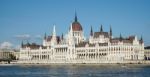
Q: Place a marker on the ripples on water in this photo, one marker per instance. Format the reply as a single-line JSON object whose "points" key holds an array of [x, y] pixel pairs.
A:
{"points": [[74, 71]]}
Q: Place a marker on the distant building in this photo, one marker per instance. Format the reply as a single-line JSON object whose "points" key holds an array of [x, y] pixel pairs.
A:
{"points": [[147, 53], [101, 47], [8, 54]]}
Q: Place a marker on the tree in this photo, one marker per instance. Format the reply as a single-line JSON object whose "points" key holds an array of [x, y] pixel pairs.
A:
{"points": [[12, 57]]}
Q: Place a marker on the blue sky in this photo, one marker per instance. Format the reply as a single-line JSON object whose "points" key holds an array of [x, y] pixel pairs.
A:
{"points": [[32, 18]]}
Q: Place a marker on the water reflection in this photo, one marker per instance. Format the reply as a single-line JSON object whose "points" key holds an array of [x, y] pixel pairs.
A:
{"points": [[75, 71]]}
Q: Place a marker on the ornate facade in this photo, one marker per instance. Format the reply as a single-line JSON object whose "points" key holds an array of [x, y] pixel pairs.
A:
{"points": [[101, 47]]}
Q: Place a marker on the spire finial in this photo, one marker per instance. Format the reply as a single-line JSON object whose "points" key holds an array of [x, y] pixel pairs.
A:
{"points": [[91, 31], [71, 39], [76, 19], [101, 30], [141, 39], [45, 36], [110, 31], [54, 31], [120, 37], [62, 36], [71, 28]]}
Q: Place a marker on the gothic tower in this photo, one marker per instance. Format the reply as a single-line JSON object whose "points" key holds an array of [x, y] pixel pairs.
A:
{"points": [[77, 30]]}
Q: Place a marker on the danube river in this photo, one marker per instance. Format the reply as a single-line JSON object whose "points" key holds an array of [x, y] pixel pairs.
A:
{"points": [[75, 70]]}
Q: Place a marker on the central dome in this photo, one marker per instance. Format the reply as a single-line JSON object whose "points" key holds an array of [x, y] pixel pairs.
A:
{"points": [[76, 26]]}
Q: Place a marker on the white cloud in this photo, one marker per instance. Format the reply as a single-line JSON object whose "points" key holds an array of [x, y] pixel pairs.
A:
{"points": [[17, 46], [38, 37], [23, 36], [6, 45]]}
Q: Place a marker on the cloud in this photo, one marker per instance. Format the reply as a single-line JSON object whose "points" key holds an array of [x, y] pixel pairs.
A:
{"points": [[23, 36], [38, 37], [6, 45], [17, 46]]}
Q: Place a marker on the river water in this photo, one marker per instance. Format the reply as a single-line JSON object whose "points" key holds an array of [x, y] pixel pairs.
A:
{"points": [[75, 71]]}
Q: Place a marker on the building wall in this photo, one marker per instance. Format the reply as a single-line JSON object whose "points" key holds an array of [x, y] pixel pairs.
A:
{"points": [[147, 54], [6, 54], [99, 54], [100, 48]]}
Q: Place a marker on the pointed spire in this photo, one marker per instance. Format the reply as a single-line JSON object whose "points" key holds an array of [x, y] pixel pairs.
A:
{"points": [[101, 30], [141, 39], [45, 36], [110, 31], [62, 36], [120, 37], [91, 31], [22, 44], [76, 19], [54, 37], [71, 28], [71, 40], [54, 31]]}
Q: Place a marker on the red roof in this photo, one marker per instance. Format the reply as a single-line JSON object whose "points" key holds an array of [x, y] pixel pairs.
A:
{"points": [[76, 26]]}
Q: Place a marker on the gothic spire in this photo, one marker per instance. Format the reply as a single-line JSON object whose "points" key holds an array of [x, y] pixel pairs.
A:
{"points": [[45, 36], [141, 39], [62, 36], [110, 31], [120, 37], [54, 37], [91, 31], [71, 31], [22, 44], [71, 40], [76, 19], [101, 30], [54, 31]]}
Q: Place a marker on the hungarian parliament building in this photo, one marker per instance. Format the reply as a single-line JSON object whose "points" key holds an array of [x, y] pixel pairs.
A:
{"points": [[100, 47]]}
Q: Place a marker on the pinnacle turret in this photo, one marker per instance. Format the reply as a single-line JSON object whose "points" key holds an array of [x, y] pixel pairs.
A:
{"points": [[120, 38], [110, 31], [101, 29], [76, 18], [45, 36], [141, 39], [91, 33]]}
